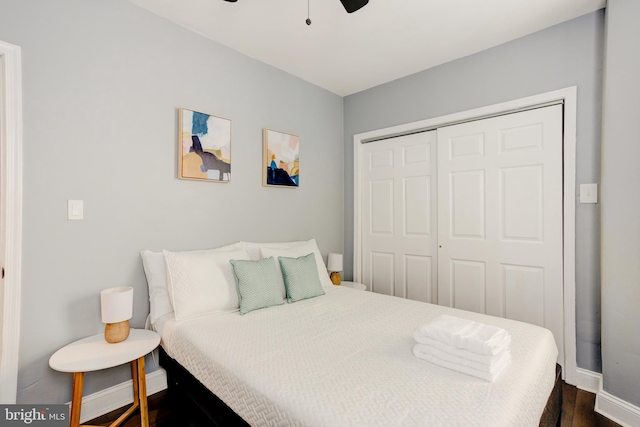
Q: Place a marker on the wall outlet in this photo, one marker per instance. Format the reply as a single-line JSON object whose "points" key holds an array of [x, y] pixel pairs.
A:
{"points": [[75, 209], [588, 193]]}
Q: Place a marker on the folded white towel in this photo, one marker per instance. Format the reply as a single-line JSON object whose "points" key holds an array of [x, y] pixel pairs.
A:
{"points": [[496, 363], [467, 334], [486, 359], [488, 376]]}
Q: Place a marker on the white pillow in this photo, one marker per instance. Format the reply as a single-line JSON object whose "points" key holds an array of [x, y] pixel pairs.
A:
{"points": [[254, 248], [155, 269], [202, 282], [298, 251]]}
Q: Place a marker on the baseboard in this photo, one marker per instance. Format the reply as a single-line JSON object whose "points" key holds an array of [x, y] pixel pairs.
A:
{"points": [[612, 407], [107, 400], [618, 410], [588, 380]]}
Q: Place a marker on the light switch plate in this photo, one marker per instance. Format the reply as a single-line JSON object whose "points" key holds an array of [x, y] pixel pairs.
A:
{"points": [[75, 209], [588, 193]]}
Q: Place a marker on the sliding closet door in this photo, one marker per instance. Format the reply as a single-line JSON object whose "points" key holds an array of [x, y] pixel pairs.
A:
{"points": [[398, 216], [500, 217]]}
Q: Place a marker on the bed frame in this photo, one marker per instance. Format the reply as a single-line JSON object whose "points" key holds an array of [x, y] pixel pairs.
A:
{"points": [[218, 414]]}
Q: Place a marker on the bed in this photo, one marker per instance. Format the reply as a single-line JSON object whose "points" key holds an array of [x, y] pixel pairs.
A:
{"points": [[345, 359]]}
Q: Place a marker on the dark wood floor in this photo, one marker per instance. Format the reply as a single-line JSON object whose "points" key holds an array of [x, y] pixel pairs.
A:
{"points": [[168, 410], [577, 409], [165, 410]]}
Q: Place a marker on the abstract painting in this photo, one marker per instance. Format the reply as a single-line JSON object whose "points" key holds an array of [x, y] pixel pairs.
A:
{"points": [[205, 147], [281, 159]]}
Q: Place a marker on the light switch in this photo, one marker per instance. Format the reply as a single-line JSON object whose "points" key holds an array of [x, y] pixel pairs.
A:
{"points": [[588, 193], [75, 209]]}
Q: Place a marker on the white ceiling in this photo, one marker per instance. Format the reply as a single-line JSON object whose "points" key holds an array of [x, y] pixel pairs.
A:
{"points": [[387, 39]]}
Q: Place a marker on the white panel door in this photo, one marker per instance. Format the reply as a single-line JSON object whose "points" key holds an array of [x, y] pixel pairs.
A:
{"points": [[398, 216], [500, 217]]}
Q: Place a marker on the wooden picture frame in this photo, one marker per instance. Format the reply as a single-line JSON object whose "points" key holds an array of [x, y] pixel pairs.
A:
{"points": [[204, 146], [280, 159]]}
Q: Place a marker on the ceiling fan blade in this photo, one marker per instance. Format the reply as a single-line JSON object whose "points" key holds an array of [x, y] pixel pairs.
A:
{"points": [[350, 5], [353, 5]]}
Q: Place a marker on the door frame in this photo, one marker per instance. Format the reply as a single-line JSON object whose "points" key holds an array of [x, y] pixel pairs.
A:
{"points": [[11, 205], [566, 96]]}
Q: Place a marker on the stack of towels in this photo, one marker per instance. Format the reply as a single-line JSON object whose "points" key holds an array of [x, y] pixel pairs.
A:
{"points": [[465, 346]]}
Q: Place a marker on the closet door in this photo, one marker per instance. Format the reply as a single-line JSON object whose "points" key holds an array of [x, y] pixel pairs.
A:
{"points": [[500, 217], [398, 199]]}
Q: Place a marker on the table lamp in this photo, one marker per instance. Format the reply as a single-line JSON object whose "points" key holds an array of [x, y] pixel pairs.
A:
{"points": [[334, 265], [117, 308]]}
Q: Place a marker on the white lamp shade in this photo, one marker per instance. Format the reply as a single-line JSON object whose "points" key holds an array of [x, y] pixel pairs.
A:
{"points": [[334, 262], [116, 304]]}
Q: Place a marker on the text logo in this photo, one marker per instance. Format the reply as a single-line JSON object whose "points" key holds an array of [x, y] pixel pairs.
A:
{"points": [[34, 415]]}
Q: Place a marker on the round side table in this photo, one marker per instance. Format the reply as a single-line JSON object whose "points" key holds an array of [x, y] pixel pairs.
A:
{"points": [[94, 353], [354, 285]]}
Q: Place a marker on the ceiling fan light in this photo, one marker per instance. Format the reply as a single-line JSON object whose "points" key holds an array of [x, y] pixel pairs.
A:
{"points": [[353, 5]]}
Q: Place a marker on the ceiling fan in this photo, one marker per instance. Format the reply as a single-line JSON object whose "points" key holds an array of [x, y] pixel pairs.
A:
{"points": [[350, 5]]}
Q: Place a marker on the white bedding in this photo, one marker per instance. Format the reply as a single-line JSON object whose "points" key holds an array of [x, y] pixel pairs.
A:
{"points": [[345, 359]]}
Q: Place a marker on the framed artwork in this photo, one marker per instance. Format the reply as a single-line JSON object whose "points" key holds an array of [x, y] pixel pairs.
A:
{"points": [[204, 151], [281, 159]]}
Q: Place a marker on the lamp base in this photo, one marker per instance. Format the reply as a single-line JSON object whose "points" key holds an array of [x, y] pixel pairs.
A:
{"points": [[116, 332], [335, 278]]}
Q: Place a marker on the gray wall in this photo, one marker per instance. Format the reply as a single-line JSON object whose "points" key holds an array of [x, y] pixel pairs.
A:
{"points": [[620, 197], [102, 84], [569, 54]]}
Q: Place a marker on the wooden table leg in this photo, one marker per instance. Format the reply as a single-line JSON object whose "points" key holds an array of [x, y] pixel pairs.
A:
{"points": [[139, 387], [76, 398], [136, 382], [134, 379], [142, 390]]}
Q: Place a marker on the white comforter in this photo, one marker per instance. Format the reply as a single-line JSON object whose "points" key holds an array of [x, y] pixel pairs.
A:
{"points": [[345, 359]]}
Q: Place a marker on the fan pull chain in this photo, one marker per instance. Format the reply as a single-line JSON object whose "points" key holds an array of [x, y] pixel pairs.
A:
{"points": [[308, 21]]}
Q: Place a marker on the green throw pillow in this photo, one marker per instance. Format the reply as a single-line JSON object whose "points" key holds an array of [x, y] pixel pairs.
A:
{"points": [[301, 277], [257, 283]]}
